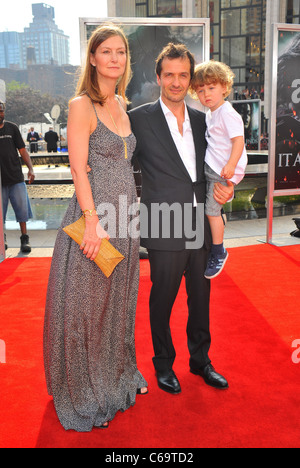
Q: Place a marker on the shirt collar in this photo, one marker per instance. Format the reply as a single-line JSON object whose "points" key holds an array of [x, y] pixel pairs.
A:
{"points": [[167, 111]]}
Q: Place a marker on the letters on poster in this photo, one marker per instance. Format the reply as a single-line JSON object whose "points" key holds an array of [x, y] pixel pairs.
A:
{"points": [[287, 172]]}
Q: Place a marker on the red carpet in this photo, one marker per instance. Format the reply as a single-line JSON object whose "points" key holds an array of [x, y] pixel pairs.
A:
{"points": [[254, 321]]}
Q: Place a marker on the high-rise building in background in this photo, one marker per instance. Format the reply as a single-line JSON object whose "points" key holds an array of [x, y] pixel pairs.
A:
{"points": [[11, 55], [50, 44], [42, 43]]}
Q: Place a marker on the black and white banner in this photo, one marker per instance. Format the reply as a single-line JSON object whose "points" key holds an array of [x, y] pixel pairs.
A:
{"points": [[284, 147], [287, 167]]}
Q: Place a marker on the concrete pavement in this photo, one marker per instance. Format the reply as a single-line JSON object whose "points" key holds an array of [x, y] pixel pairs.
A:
{"points": [[237, 234]]}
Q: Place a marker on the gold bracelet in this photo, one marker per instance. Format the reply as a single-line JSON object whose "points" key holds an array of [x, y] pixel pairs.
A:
{"points": [[89, 212]]}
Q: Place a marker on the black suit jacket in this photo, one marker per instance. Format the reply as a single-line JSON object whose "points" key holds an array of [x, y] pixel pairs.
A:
{"points": [[35, 137], [51, 137], [164, 176]]}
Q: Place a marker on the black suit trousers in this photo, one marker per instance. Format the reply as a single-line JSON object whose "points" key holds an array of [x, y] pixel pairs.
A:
{"points": [[167, 271]]}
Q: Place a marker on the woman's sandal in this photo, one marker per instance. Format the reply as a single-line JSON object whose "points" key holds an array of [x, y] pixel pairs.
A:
{"points": [[103, 426], [139, 392]]}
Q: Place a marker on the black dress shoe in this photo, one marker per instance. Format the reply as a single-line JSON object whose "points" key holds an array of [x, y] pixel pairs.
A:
{"points": [[168, 382], [211, 377]]}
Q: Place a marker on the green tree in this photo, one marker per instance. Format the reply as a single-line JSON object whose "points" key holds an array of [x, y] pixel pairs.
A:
{"points": [[24, 104], [14, 85]]}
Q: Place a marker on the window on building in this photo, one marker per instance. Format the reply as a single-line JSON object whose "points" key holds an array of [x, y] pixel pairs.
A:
{"points": [[141, 9], [159, 8], [238, 39], [293, 11], [169, 8]]}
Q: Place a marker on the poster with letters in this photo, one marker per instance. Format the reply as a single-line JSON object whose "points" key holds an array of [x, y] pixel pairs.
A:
{"points": [[284, 148], [287, 163], [250, 111]]}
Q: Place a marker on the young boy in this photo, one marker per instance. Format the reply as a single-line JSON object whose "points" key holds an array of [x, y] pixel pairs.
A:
{"points": [[226, 157]]}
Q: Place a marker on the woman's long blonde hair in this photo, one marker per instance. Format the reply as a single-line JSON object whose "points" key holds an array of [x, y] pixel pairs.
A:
{"points": [[88, 82]]}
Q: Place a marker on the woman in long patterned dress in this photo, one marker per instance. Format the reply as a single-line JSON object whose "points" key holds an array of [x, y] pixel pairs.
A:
{"points": [[89, 343]]}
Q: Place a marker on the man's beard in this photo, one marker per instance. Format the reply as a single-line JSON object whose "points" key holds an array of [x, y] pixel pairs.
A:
{"points": [[175, 97], [1, 120]]}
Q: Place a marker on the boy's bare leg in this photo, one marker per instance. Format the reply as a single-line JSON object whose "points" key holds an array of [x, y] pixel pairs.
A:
{"points": [[217, 229]]}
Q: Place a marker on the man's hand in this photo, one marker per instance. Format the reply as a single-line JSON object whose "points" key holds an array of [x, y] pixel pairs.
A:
{"points": [[223, 194], [31, 176], [26, 158]]}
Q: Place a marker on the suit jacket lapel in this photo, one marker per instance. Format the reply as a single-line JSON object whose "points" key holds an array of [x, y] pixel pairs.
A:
{"points": [[160, 127]]}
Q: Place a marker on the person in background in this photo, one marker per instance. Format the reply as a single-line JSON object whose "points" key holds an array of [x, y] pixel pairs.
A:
{"points": [[33, 137], [51, 138], [12, 178]]}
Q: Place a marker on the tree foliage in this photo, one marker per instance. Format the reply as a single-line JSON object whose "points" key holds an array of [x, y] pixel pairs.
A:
{"points": [[24, 104]]}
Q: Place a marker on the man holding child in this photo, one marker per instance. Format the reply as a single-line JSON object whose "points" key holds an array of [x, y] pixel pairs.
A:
{"points": [[170, 150]]}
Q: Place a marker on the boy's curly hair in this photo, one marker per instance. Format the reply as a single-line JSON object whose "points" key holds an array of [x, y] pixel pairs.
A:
{"points": [[212, 72]]}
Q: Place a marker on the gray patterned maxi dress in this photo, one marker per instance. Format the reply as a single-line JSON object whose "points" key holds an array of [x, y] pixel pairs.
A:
{"points": [[89, 342]]}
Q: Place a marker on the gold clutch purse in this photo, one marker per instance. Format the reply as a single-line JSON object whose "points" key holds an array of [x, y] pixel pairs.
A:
{"points": [[108, 257]]}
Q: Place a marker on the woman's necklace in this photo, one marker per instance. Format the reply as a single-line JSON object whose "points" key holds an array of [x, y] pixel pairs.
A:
{"points": [[124, 141]]}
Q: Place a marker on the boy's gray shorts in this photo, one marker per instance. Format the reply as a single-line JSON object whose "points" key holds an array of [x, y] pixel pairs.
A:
{"points": [[212, 208]]}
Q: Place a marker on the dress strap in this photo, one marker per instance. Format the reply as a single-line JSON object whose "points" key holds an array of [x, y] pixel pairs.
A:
{"points": [[93, 105], [95, 109]]}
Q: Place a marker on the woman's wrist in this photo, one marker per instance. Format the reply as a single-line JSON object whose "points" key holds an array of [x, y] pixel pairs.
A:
{"points": [[89, 213]]}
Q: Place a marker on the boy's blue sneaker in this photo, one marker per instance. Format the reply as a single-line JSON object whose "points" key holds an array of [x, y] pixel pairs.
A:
{"points": [[215, 265]]}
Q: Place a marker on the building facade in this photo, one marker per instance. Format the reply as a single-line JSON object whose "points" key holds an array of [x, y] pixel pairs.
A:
{"points": [[48, 79], [240, 31], [145, 8], [11, 50], [293, 11]]}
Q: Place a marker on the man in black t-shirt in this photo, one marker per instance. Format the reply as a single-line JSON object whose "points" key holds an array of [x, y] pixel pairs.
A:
{"points": [[12, 179]]}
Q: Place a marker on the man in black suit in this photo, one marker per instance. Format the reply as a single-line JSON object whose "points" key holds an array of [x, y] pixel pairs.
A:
{"points": [[33, 138], [170, 151], [51, 138]]}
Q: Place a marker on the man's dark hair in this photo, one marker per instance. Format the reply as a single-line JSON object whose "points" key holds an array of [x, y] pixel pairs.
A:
{"points": [[174, 51]]}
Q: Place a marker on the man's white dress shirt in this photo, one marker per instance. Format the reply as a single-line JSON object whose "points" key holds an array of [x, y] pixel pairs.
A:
{"points": [[184, 143]]}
